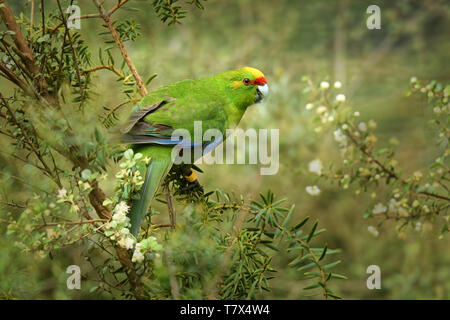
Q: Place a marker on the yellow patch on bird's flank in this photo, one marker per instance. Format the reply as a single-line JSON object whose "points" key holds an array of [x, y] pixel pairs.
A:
{"points": [[255, 72], [192, 177]]}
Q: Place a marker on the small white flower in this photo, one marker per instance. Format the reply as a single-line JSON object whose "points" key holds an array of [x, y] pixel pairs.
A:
{"points": [[393, 205], [120, 217], [137, 256], [337, 84], [340, 97], [126, 242], [309, 106], [339, 136], [8, 62], [419, 226], [324, 85], [362, 126], [315, 166], [379, 208], [373, 231], [121, 208], [418, 175], [86, 186], [313, 190], [321, 109], [413, 79], [146, 160], [436, 110], [62, 193], [356, 114]]}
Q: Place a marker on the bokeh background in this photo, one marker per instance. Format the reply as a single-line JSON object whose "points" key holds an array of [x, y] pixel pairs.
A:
{"points": [[288, 39]]}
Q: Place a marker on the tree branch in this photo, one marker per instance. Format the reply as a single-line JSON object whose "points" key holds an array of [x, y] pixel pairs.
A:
{"points": [[26, 53], [123, 51], [104, 67]]}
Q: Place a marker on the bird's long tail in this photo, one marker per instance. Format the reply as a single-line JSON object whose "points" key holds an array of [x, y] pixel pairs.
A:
{"points": [[155, 172]]}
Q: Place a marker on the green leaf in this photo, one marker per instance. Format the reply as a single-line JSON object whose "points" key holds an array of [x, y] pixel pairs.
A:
{"points": [[93, 289], [288, 217], [307, 266], [331, 265], [128, 154], [338, 276], [264, 198], [323, 253], [334, 295], [299, 260], [311, 233], [149, 79], [268, 245], [381, 151], [313, 274], [313, 286], [299, 225]]}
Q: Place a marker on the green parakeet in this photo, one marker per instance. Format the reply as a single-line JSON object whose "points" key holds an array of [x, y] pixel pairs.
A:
{"points": [[219, 102]]}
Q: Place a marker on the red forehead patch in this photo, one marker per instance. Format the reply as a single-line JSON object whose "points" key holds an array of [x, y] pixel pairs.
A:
{"points": [[260, 81]]}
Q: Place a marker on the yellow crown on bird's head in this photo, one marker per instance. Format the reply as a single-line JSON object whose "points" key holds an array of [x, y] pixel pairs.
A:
{"points": [[255, 72]]}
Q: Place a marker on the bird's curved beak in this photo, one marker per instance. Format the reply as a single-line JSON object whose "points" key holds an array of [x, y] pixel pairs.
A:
{"points": [[262, 90]]}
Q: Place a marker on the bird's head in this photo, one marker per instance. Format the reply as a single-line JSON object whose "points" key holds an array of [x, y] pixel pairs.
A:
{"points": [[248, 85]]}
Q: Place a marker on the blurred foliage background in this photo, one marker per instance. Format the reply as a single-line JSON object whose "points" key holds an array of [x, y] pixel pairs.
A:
{"points": [[287, 39]]}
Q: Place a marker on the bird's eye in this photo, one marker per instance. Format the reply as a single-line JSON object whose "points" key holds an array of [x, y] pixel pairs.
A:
{"points": [[246, 81]]}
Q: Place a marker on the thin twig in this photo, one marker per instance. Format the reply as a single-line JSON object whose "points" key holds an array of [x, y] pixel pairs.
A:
{"points": [[13, 204], [110, 68], [91, 15], [31, 24], [74, 53], [30, 142], [172, 214], [49, 224], [390, 172], [106, 17]]}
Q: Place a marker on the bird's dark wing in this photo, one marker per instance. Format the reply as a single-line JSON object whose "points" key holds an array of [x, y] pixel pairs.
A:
{"points": [[141, 113], [138, 131]]}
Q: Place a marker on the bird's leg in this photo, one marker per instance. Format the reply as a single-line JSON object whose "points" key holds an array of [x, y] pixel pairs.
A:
{"points": [[192, 179], [172, 213]]}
